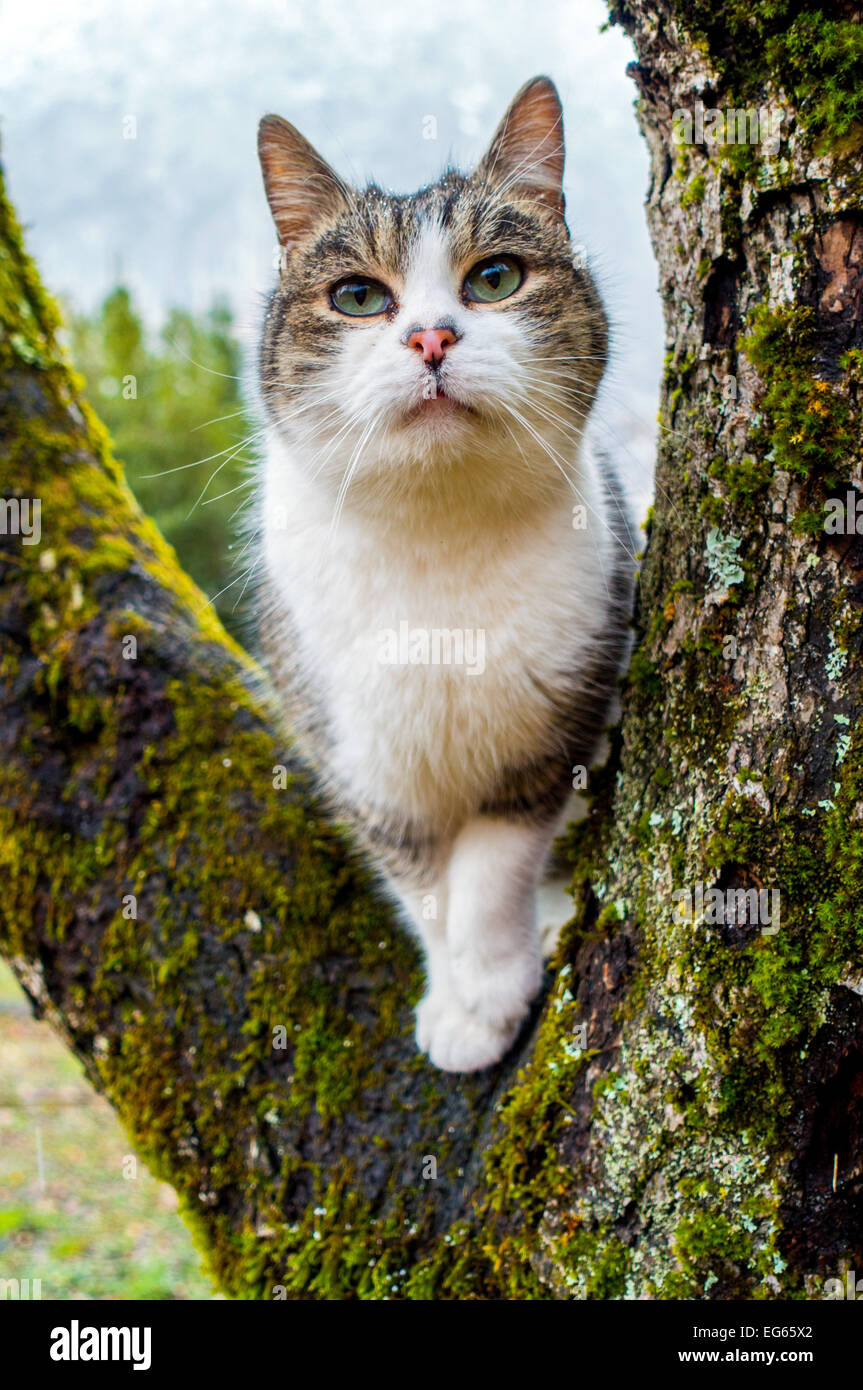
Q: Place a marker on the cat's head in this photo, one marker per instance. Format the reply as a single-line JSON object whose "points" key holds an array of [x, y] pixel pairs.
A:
{"points": [[450, 329]]}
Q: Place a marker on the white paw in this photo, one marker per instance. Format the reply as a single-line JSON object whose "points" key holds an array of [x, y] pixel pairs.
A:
{"points": [[430, 1010], [499, 989], [456, 1040]]}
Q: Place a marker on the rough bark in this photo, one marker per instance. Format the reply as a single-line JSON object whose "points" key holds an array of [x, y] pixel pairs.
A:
{"points": [[703, 1139]]}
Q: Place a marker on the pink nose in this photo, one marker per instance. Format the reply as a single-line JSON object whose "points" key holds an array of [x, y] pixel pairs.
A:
{"points": [[432, 343]]}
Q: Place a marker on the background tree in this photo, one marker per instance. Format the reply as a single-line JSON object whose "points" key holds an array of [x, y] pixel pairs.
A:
{"points": [[684, 1115], [175, 413]]}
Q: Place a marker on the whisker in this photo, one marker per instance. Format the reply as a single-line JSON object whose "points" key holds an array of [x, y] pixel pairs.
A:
{"points": [[227, 375], [350, 470], [211, 601], [560, 465], [217, 420], [247, 482]]}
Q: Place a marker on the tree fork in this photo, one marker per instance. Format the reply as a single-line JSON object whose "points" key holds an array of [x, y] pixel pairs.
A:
{"points": [[684, 1117]]}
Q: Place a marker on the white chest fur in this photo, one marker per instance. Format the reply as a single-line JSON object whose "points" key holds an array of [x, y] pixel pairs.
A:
{"points": [[433, 645]]}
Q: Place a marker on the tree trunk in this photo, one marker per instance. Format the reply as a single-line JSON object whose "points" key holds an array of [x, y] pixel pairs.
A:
{"points": [[683, 1116]]}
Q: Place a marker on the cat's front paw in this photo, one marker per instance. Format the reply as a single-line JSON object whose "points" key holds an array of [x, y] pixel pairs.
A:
{"points": [[499, 990], [455, 1039]]}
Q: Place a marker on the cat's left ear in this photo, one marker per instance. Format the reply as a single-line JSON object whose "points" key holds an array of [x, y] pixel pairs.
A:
{"points": [[526, 152], [302, 189]]}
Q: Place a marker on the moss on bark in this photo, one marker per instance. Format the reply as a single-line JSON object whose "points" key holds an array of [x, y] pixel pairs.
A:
{"points": [[682, 1116]]}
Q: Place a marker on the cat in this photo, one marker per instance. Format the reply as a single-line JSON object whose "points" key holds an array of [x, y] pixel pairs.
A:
{"points": [[446, 559]]}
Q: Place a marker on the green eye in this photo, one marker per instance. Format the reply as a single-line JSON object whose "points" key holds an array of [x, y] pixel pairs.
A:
{"points": [[496, 278], [360, 298]]}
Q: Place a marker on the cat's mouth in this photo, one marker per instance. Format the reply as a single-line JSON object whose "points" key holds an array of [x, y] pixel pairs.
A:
{"points": [[439, 405]]}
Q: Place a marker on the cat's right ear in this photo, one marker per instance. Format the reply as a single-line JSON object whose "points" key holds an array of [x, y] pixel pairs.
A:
{"points": [[301, 187], [526, 152]]}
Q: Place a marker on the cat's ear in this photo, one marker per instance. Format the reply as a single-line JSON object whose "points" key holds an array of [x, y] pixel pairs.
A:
{"points": [[526, 152], [301, 187]]}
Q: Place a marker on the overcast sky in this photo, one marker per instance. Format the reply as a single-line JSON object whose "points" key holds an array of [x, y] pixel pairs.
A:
{"points": [[178, 212]]}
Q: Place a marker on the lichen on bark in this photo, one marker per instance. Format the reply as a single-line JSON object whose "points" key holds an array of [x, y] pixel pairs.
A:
{"points": [[710, 1152]]}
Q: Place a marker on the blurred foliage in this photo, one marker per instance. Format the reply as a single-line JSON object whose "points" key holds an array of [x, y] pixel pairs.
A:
{"points": [[174, 408]]}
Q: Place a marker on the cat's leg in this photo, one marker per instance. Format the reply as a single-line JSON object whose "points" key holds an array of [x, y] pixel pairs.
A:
{"points": [[423, 907], [493, 947]]}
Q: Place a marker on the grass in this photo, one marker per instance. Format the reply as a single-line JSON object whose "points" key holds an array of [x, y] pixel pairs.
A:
{"points": [[78, 1210]]}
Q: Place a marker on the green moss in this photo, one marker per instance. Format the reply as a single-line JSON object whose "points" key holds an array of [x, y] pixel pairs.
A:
{"points": [[743, 480], [807, 425], [524, 1172], [643, 673], [785, 977], [693, 193], [809, 522], [713, 1249], [813, 56]]}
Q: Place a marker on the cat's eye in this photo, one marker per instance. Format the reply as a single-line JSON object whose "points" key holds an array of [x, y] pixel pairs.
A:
{"points": [[360, 298], [495, 278]]}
